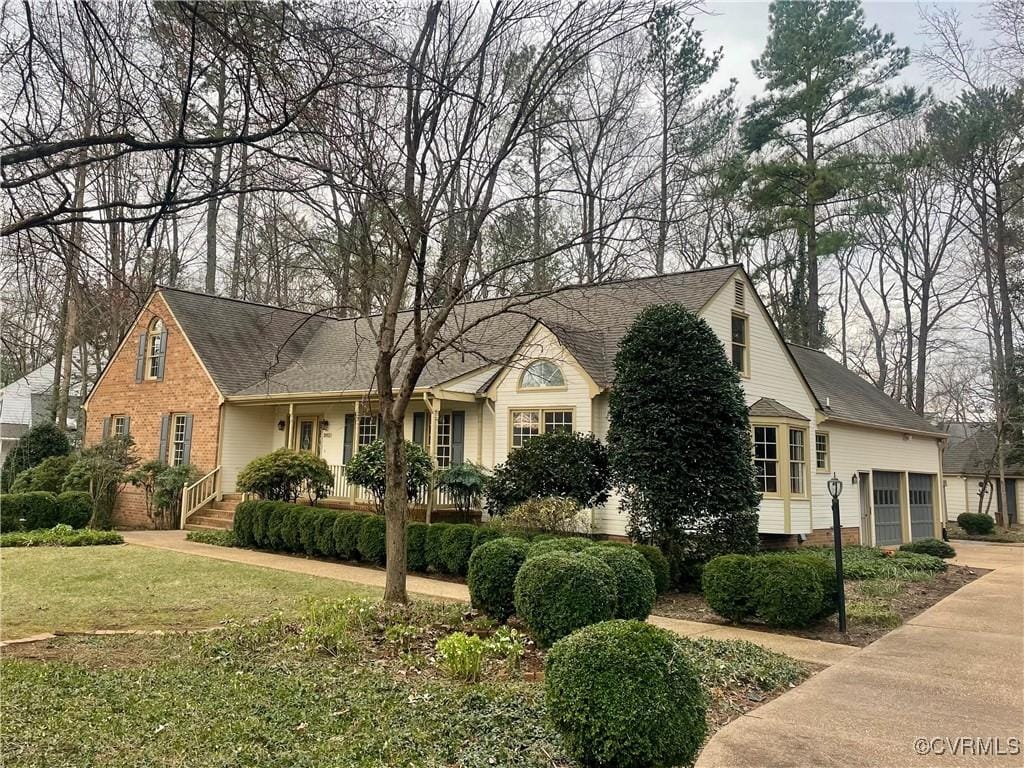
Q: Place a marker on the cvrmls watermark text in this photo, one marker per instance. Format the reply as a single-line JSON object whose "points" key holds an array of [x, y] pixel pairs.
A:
{"points": [[968, 746]]}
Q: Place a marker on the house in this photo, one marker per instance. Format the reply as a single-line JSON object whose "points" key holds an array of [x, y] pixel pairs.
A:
{"points": [[217, 382], [28, 401], [971, 474]]}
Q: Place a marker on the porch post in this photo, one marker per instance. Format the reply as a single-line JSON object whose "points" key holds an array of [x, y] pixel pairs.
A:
{"points": [[434, 406], [291, 425], [352, 488]]}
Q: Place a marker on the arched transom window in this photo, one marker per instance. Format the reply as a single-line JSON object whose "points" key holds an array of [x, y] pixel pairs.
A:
{"points": [[155, 339], [540, 374]]}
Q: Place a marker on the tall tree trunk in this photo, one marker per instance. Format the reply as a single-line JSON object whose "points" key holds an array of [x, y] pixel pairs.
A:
{"points": [[659, 250], [236, 257], [213, 205], [813, 322]]}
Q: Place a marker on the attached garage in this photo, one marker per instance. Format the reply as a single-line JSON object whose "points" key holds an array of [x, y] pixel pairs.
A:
{"points": [[922, 506], [886, 501]]}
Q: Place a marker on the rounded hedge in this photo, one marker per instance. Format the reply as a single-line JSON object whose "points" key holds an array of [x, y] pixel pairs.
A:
{"points": [[323, 533], [74, 508], [493, 568], [623, 693], [29, 511], [347, 528], [634, 581], [373, 539], [976, 524], [242, 525], [559, 544], [787, 592], [485, 533], [456, 547], [659, 566], [826, 570], [933, 547], [728, 586], [559, 592], [433, 550], [415, 546]]}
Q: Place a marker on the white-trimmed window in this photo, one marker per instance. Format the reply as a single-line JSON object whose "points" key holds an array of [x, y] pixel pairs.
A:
{"points": [[797, 461], [766, 459], [367, 430], [154, 348], [179, 438], [119, 425], [543, 374], [740, 344], [822, 458], [530, 423], [444, 440]]}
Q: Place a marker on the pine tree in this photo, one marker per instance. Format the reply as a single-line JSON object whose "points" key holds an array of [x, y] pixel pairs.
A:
{"points": [[824, 71]]}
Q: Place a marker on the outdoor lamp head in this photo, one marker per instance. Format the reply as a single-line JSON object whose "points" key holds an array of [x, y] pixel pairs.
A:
{"points": [[835, 486]]}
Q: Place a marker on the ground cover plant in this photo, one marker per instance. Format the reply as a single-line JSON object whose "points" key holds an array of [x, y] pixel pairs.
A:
{"points": [[347, 682], [999, 535], [60, 536], [217, 538]]}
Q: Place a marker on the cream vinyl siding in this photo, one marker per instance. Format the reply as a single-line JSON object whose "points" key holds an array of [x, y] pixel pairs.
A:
{"points": [[249, 431], [962, 496], [471, 382], [574, 396], [864, 449]]}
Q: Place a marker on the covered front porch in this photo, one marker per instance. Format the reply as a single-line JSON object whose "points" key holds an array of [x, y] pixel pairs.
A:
{"points": [[335, 428]]}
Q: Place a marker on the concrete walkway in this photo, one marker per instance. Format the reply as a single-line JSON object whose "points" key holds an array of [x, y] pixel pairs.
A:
{"points": [[955, 671], [813, 651]]}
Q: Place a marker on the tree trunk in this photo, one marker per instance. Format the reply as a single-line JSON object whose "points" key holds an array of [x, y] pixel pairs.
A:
{"points": [[813, 323], [396, 506], [213, 205], [236, 258]]}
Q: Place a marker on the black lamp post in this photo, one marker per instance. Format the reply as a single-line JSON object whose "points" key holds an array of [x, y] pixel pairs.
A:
{"points": [[835, 487]]}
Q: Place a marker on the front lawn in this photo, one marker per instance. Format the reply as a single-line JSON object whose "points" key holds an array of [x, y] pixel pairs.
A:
{"points": [[46, 589], [345, 685]]}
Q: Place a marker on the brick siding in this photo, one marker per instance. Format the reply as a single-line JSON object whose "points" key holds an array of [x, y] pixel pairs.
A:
{"points": [[819, 537], [185, 388]]}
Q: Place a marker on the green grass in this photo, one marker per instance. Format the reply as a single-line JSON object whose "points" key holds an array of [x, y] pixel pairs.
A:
{"points": [[53, 588], [873, 613], [336, 687], [217, 538]]}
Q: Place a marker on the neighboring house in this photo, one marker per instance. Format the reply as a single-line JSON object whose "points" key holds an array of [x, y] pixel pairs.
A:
{"points": [[218, 382], [971, 474], [28, 401]]}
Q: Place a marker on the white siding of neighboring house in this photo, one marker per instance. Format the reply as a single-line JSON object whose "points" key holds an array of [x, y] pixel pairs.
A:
{"points": [[857, 449], [773, 374], [962, 496]]}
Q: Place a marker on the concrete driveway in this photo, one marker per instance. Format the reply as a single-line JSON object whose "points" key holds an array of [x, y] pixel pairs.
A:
{"points": [[945, 689]]}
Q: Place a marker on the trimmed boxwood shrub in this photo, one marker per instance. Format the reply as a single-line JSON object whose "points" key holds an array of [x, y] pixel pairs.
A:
{"points": [[728, 586], [485, 533], [30, 511], [456, 547], [434, 551], [74, 508], [309, 520], [787, 592], [493, 567], [347, 527], [933, 547], [659, 566], [559, 592], [826, 569], [372, 539], [292, 517], [244, 520], [416, 546], [559, 544], [634, 582], [277, 514], [323, 533], [976, 524], [598, 679]]}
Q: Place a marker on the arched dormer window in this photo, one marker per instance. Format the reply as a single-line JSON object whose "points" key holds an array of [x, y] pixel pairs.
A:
{"points": [[541, 375], [156, 341]]}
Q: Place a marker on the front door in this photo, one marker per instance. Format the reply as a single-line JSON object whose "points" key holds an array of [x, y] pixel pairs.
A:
{"points": [[1011, 501], [306, 435], [922, 524], [888, 530]]}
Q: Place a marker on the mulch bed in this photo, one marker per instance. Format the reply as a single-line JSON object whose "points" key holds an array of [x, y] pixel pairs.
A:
{"points": [[913, 598]]}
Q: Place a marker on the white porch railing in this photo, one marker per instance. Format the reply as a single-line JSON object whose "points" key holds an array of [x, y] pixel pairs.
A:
{"points": [[346, 490], [202, 491]]}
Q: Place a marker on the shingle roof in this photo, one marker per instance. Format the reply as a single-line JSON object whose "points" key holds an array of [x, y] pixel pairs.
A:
{"points": [[241, 343], [774, 409], [974, 455], [339, 355], [848, 396]]}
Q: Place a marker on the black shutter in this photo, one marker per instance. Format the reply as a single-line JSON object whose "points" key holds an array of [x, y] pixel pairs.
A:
{"points": [[419, 428], [165, 423], [106, 427], [350, 428], [163, 356], [187, 452], [140, 359], [458, 437]]}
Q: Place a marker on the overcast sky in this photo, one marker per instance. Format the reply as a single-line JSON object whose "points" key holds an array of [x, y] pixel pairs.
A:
{"points": [[741, 28]]}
